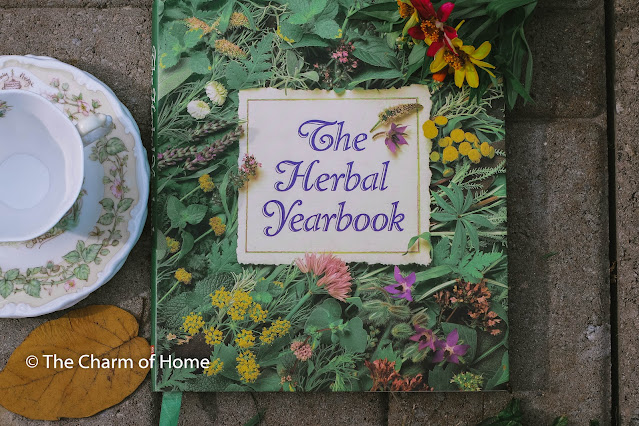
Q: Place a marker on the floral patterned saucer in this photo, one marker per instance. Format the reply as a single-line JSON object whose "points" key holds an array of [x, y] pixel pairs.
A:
{"points": [[92, 241]]}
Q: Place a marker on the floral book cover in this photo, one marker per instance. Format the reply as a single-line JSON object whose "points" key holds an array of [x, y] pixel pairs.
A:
{"points": [[329, 196]]}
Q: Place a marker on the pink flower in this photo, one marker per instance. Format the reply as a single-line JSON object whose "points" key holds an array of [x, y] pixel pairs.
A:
{"points": [[449, 350], [69, 285], [334, 273], [116, 189], [83, 107], [302, 351], [424, 337]]}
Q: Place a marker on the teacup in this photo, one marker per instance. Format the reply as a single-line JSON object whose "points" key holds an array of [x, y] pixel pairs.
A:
{"points": [[41, 165]]}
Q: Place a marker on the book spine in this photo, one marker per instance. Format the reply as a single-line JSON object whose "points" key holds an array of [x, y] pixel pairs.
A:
{"points": [[154, 128]]}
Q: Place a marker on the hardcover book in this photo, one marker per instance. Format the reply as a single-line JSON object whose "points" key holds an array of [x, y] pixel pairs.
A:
{"points": [[329, 198]]}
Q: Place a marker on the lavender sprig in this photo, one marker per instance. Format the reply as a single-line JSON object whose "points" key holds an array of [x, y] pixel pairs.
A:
{"points": [[204, 157], [205, 129]]}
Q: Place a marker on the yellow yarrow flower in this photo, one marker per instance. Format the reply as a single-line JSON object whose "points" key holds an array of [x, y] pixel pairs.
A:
{"points": [[450, 154], [213, 336], [214, 367], [247, 367], [444, 142], [457, 135], [278, 329], [474, 156], [486, 149], [471, 137], [430, 130], [257, 313], [245, 340], [440, 120], [206, 183], [173, 245], [192, 323], [217, 226], [434, 156], [464, 148], [182, 276], [221, 298]]}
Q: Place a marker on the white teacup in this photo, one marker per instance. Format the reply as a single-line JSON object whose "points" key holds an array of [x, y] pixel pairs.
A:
{"points": [[41, 165]]}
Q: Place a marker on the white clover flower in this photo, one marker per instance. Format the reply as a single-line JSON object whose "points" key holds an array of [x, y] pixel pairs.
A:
{"points": [[216, 92], [198, 109]]}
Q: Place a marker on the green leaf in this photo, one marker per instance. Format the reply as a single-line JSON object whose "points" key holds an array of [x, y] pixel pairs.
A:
{"points": [[509, 416], [354, 338], [107, 203], [161, 248], [11, 274], [418, 54], [187, 244], [115, 146], [227, 355], [72, 257], [355, 301], [560, 421], [194, 214], [374, 51], [439, 378], [292, 31], [32, 288], [171, 79], [82, 272], [305, 14], [6, 288], [92, 252], [375, 74], [174, 210], [502, 375], [193, 37], [236, 75], [106, 219], [310, 40], [200, 63], [327, 29], [262, 297], [125, 204]]}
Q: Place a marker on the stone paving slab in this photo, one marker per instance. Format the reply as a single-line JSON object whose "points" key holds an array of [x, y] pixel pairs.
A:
{"points": [[74, 3], [569, 64], [627, 185]]}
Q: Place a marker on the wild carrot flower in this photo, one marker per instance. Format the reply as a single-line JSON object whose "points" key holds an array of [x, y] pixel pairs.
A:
{"points": [[402, 289], [182, 276], [198, 109], [216, 92], [206, 183], [213, 336], [229, 49], [192, 323], [302, 351], [245, 339], [334, 273], [247, 367], [214, 367], [449, 350]]}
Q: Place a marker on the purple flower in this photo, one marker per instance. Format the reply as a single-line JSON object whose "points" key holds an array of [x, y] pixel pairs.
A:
{"points": [[449, 350], [425, 337], [395, 137], [402, 289]]}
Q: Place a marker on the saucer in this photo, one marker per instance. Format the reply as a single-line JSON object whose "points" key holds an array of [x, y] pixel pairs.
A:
{"points": [[90, 244], [41, 165]]}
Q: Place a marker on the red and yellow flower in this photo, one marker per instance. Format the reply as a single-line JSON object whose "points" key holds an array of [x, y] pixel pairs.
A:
{"points": [[462, 61], [428, 24]]}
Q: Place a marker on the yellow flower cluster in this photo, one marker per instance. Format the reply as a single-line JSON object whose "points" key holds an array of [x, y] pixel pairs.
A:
{"points": [[257, 313], [278, 329], [217, 226], [206, 183], [283, 37], [247, 367], [193, 323], [213, 336], [458, 143], [229, 49], [182, 276], [238, 20], [214, 367], [280, 284], [241, 303], [221, 298], [173, 245], [245, 340]]}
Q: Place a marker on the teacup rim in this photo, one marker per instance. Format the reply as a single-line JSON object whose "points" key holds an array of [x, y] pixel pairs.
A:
{"points": [[76, 186]]}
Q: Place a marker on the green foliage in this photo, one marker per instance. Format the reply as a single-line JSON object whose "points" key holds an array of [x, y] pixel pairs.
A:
{"points": [[248, 73]]}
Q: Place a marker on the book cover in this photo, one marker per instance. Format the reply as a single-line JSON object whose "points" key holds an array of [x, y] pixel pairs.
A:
{"points": [[329, 198]]}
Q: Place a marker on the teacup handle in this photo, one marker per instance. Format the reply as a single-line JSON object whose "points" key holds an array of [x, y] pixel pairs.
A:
{"points": [[94, 127]]}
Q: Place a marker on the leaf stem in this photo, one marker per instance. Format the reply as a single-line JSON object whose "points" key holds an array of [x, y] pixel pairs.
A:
{"points": [[169, 292]]}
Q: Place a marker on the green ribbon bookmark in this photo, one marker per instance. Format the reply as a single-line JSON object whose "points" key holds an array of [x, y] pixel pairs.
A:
{"points": [[170, 414]]}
